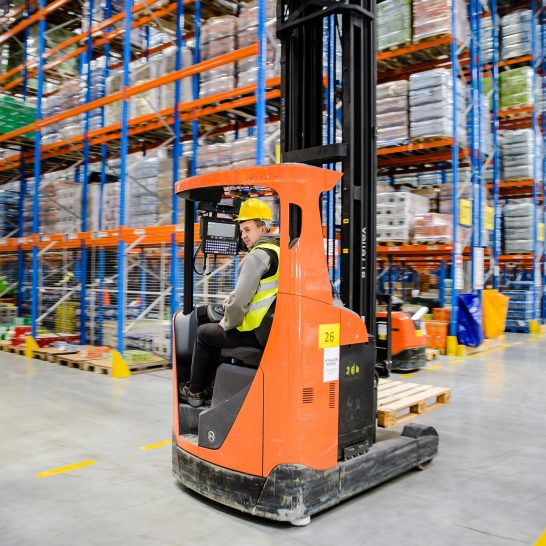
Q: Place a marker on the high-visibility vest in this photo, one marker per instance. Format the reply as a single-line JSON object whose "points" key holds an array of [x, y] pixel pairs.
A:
{"points": [[264, 297]]}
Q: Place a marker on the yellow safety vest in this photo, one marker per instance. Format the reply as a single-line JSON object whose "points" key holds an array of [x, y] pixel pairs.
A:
{"points": [[264, 297]]}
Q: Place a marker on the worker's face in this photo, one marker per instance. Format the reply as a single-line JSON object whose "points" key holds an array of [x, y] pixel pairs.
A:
{"points": [[251, 232]]}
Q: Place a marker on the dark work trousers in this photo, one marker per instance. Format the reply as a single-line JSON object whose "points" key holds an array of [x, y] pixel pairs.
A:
{"points": [[209, 342]]}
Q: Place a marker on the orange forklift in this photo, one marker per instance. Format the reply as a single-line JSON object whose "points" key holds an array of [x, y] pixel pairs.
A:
{"points": [[291, 430]]}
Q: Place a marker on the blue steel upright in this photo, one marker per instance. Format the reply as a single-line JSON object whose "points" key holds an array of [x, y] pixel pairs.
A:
{"points": [[103, 166], [87, 58], [260, 86], [496, 144], [37, 171], [455, 175], [124, 150], [177, 152], [542, 18], [537, 175]]}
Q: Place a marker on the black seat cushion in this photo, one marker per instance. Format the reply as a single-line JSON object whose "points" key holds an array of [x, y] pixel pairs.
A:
{"points": [[249, 356]]}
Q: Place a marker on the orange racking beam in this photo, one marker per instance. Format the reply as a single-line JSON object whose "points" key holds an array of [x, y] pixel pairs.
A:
{"points": [[413, 48], [101, 136], [130, 91], [97, 43], [150, 236]]}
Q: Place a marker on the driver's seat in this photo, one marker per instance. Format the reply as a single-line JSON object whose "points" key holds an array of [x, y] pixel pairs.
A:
{"points": [[251, 356]]}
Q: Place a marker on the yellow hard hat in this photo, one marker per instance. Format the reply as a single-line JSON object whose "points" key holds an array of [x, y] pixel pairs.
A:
{"points": [[254, 209]]}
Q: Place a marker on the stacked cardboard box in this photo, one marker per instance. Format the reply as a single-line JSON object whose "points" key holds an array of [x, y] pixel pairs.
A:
{"points": [[518, 226], [396, 212], [392, 113], [516, 88], [394, 24], [9, 207], [433, 18], [516, 34], [431, 105], [518, 154]]}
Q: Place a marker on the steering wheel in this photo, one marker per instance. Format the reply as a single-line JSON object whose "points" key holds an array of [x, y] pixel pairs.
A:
{"points": [[215, 312]]}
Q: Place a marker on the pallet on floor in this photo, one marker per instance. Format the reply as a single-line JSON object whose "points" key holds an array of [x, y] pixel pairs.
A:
{"points": [[431, 354], [5, 345], [71, 360], [399, 401], [104, 366], [50, 354], [517, 329]]}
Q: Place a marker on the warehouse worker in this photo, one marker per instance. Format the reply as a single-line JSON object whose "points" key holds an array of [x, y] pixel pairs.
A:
{"points": [[245, 308]]}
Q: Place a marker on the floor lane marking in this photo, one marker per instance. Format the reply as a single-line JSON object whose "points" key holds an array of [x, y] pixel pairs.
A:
{"points": [[157, 444], [62, 469], [489, 351], [408, 375], [433, 368], [458, 361]]}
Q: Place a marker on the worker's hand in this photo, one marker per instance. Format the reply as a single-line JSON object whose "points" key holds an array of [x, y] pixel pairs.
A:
{"points": [[222, 324]]}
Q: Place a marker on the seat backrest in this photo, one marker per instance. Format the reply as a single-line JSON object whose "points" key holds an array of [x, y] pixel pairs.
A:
{"points": [[185, 328]]}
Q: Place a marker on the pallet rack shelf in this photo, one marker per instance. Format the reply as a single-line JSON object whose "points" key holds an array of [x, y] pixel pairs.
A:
{"points": [[183, 123]]}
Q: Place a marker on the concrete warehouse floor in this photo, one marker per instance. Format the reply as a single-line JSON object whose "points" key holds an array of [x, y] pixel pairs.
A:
{"points": [[486, 487]]}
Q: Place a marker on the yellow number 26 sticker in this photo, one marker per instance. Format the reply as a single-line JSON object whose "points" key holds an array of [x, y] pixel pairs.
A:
{"points": [[328, 335]]}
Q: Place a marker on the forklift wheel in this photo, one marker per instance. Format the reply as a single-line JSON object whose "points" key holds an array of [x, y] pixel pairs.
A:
{"points": [[424, 465]]}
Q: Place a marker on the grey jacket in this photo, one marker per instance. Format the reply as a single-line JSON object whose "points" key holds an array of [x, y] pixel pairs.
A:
{"points": [[249, 273]]}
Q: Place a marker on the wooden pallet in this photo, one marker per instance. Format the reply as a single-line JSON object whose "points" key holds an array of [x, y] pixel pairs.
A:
{"points": [[405, 242], [431, 354], [399, 401], [71, 360], [50, 354], [5, 345], [430, 138], [104, 366]]}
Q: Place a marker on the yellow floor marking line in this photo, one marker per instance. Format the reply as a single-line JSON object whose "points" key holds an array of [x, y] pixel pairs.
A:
{"points": [[541, 539], [433, 368], [458, 361], [482, 353], [408, 375], [157, 444], [63, 469]]}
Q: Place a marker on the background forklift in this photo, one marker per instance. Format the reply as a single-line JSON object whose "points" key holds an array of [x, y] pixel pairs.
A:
{"points": [[291, 430]]}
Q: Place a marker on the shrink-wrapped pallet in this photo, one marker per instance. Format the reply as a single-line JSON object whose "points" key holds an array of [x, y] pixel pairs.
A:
{"points": [[516, 87], [516, 34], [431, 105], [432, 18], [518, 154], [396, 213], [392, 113], [437, 228], [393, 23]]}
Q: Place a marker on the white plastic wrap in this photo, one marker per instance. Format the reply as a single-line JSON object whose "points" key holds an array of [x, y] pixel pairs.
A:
{"points": [[392, 109], [393, 23], [433, 18]]}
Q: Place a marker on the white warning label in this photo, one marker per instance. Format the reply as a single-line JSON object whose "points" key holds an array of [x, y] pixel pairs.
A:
{"points": [[331, 364]]}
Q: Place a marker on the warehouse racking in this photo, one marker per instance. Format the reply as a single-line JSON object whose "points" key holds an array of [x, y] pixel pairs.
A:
{"points": [[112, 278], [482, 261], [73, 275]]}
